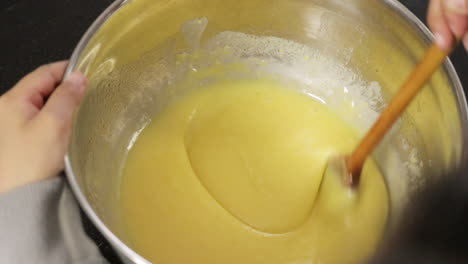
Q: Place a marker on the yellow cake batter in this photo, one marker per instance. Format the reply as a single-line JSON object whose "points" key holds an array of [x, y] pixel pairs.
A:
{"points": [[232, 173]]}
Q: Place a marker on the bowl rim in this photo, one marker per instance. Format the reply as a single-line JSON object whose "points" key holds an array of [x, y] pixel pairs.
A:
{"points": [[120, 247]]}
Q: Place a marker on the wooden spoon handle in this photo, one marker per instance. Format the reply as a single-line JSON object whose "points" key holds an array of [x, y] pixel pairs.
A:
{"points": [[433, 58]]}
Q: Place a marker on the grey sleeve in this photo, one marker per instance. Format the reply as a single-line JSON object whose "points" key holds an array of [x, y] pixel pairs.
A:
{"points": [[41, 223]]}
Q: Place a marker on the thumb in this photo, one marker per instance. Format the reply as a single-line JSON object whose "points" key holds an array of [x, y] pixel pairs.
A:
{"points": [[64, 100]]}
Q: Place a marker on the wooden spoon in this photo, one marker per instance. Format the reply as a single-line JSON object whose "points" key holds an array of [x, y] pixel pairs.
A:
{"points": [[433, 58]]}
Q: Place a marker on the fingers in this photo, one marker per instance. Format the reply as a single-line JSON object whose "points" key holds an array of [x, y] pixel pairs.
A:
{"points": [[63, 102], [457, 6], [42, 81], [448, 20], [29, 94], [42, 140], [58, 112], [439, 25], [456, 13]]}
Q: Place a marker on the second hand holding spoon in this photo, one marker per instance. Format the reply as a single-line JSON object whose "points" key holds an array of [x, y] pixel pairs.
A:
{"points": [[352, 165]]}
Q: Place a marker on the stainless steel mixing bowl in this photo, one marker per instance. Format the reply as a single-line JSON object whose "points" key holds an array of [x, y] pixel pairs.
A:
{"points": [[129, 52]]}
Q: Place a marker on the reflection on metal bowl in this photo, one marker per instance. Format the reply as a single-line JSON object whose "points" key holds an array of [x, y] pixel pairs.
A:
{"points": [[132, 57]]}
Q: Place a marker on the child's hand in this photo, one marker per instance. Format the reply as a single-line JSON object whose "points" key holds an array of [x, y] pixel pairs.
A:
{"points": [[34, 134], [448, 20]]}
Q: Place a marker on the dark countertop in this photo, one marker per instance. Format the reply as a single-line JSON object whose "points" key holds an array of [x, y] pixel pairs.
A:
{"points": [[36, 32]]}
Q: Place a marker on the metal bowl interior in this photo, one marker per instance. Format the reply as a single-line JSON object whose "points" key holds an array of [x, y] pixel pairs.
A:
{"points": [[129, 54]]}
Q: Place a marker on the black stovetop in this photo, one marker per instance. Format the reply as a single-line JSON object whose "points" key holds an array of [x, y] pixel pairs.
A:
{"points": [[36, 32]]}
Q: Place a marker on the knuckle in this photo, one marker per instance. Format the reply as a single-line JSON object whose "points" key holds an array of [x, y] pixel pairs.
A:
{"points": [[45, 70], [66, 92], [54, 123], [42, 68]]}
